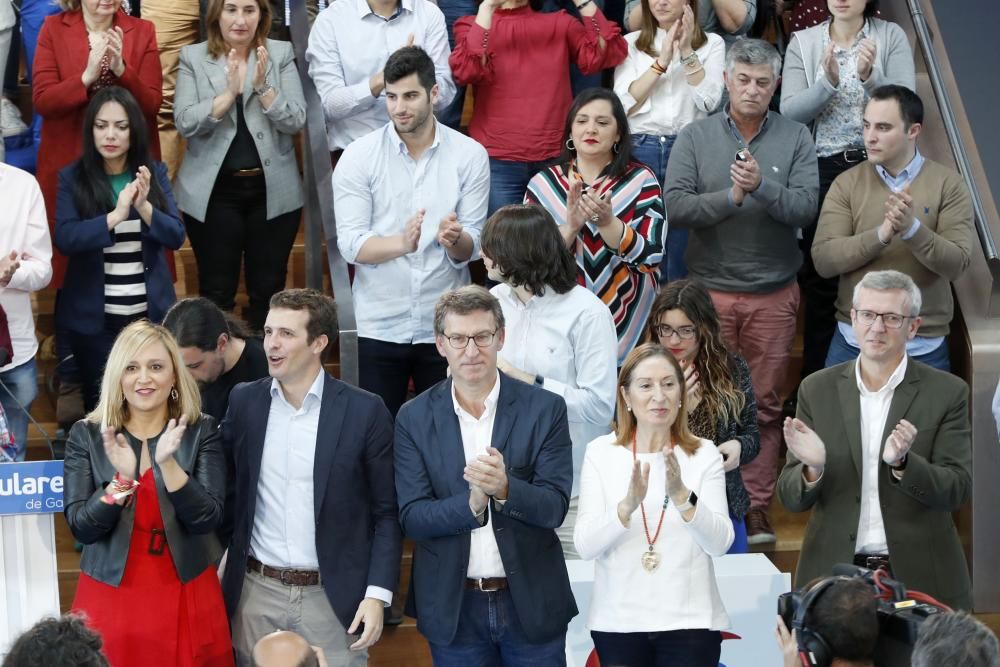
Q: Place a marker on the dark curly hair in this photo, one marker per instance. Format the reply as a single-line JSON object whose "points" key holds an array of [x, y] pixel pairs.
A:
{"points": [[523, 240], [57, 641]]}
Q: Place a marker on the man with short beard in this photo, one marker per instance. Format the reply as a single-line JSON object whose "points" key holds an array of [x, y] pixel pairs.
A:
{"points": [[410, 199]]}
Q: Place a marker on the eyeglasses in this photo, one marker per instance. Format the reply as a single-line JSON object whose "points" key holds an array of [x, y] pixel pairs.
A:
{"points": [[666, 331], [460, 342], [890, 320]]}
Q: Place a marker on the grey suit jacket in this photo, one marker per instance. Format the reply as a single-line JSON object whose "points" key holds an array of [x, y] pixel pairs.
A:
{"points": [[200, 78], [924, 545]]}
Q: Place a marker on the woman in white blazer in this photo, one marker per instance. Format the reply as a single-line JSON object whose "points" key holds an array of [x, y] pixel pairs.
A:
{"points": [[830, 71], [652, 514], [238, 102]]}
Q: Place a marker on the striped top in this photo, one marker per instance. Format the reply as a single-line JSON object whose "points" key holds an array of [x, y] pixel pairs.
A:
{"points": [[624, 279], [124, 271]]}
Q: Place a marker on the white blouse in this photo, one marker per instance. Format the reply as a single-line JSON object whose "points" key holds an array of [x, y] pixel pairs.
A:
{"points": [[681, 594], [673, 103]]}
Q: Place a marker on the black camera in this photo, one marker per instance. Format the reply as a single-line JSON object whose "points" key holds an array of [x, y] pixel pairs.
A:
{"points": [[899, 617]]}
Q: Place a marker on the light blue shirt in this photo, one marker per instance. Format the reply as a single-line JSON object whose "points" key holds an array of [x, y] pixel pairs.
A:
{"points": [[349, 44], [377, 187]]}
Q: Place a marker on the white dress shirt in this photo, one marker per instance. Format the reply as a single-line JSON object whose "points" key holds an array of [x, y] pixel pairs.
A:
{"points": [[682, 593], [477, 435], [874, 412], [284, 524], [673, 103], [569, 339], [349, 43], [25, 229], [377, 187]]}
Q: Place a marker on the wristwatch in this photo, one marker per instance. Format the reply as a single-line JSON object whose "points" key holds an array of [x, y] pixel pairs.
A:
{"points": [[539, 381], [691, 502]]}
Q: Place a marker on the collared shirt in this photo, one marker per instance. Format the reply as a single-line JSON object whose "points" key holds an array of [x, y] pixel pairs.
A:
{"points": [[349, 44], [569, 339], [25, 230], [874, 412], [673, 102], [284, 524], [839, 124], [918, 345], [377, 187], [477, 435]]}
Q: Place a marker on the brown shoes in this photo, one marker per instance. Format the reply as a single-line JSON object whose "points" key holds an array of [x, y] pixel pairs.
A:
{"points": [[759, 529]]}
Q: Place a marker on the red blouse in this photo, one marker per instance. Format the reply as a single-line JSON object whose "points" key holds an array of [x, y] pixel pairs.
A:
{"points": [[522, 90], [61, 99]]}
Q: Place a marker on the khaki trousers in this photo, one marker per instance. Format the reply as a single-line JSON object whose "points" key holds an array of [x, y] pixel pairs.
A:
{"points": [[267, 605]]}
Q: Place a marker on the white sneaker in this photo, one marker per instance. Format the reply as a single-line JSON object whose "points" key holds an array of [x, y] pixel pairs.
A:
{"points": [[10, 119]]}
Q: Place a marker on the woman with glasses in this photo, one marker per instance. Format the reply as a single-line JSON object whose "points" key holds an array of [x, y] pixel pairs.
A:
{"points": [[653, 514], [720, 402], [830, 71], [609, 209]]}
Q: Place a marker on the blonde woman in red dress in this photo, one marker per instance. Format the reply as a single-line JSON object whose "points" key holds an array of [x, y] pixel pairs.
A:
{"points": [[145, 483]]}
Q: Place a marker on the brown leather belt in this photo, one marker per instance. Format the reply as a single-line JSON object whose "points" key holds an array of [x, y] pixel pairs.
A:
{"points": [[873, 562], [286, 575], [486, 584]]}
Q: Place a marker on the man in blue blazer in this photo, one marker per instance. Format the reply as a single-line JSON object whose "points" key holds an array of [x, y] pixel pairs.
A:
{"points": [[483, 473], [311, 519]]}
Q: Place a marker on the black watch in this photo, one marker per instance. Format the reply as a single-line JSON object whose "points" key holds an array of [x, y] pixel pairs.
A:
{"points": [[539, 380]]}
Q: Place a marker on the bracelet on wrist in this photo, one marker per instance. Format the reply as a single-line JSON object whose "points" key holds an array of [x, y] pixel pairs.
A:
{"points": [[583, 4], [657, 67], [690, 58]]}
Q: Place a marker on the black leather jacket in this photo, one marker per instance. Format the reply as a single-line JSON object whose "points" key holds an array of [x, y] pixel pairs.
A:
{"points": [[190, 515]]}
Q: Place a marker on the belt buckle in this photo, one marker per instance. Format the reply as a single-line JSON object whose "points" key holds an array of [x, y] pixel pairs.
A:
{"points": [[851, 153], [482, 589], [157, 542], [285, 581]]}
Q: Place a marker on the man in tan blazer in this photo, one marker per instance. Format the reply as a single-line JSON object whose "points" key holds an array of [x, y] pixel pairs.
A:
{"points": [[881, 451]]}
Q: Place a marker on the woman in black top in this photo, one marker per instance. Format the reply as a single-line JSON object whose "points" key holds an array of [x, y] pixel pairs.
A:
{"points": [[720, 401]]}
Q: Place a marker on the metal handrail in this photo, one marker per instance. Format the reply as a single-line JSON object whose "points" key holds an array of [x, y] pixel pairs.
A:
{"points": [[925, 40], [318, 187]]}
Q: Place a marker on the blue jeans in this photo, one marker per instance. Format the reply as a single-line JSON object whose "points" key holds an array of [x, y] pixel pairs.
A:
{"points": [[33, 14], [490, 635], [690, 648], [20, 387], [841, 351], [654, 151], [509, 181], [453, 10]]}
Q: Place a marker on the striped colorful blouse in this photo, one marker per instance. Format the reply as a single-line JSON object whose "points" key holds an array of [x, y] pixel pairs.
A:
{"points": [[624, 279]]}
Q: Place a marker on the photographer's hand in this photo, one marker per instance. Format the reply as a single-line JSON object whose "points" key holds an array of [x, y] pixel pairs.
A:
{"points": [[787, 644]]}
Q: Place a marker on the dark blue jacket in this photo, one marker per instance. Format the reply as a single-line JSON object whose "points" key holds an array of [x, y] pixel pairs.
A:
{"points": [[80, 306], [532, 434], [358, 542]]}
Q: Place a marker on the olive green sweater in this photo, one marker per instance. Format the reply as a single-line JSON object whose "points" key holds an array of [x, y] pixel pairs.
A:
{"points": [[847, 244]]}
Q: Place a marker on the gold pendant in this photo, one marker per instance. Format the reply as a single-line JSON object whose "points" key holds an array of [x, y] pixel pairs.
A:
{"points": [[650, 560]]}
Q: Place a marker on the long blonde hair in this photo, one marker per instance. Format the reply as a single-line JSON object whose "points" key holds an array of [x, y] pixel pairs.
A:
{"points": [[649, 26], [112, 408], [625, 423]]}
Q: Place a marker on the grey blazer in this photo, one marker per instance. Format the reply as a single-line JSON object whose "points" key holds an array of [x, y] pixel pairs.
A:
{"points": [[200, 78], [804, 93]]}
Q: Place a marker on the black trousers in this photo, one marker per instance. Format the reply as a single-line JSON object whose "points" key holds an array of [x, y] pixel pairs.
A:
{"points": [[674, 648], [819, 293], [385, 369], [236, 229]]}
